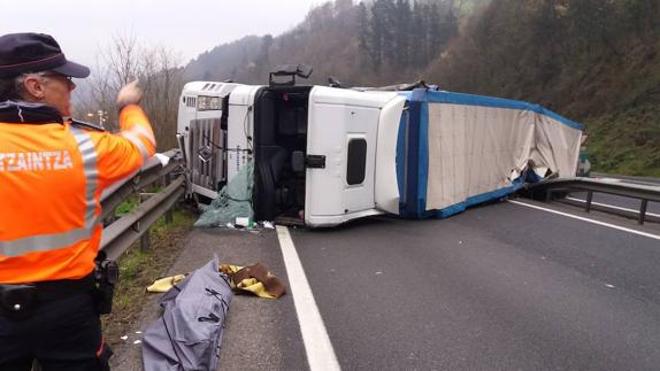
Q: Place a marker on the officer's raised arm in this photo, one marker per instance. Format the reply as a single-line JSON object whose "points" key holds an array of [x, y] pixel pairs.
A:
{"points": [[121, 154]]}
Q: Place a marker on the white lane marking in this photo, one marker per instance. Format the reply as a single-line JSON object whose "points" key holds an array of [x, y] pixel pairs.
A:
{"points": [[613, 226], [320, 354], [612, 206]]}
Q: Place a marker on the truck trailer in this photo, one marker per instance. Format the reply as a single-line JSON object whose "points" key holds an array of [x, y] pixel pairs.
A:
{"points": [[323, 155]]}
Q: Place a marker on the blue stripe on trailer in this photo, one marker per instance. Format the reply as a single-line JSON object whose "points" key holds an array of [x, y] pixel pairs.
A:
{"points": [[401, 157], [562, 119], [411, 206], [422, 186], [479, 199]]}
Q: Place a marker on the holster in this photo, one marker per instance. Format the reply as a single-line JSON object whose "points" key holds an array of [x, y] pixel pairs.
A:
{"points": [[17, 301], [106, 276]]}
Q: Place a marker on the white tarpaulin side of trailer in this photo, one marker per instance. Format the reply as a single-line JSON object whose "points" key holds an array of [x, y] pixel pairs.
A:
{"points": [[474, 150], [557, 146]]}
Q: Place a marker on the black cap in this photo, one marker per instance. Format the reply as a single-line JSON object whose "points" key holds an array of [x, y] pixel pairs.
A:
{"points": [[34, 52]]}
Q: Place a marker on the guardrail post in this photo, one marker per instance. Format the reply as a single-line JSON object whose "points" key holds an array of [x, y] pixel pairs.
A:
{"points": [[169, 216], [642, 211], [145, 241], [590, 196]]}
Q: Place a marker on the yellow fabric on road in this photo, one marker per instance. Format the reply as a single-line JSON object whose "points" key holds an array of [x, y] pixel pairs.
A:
{"points": [[255, 279], [165, 284]]}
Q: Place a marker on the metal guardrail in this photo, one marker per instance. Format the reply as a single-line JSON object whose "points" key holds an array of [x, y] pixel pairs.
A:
{"points": [[616, 187], [120, 233], [638, 179]]}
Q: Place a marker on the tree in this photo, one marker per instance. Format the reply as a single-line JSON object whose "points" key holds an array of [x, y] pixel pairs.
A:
{"points": [[402, 30], [436, 40], [641, 16], [365, 37], [449, 26], [388, 43], [160, 77], [263, 60], [378, 32], [592, 24], [419, 43]]}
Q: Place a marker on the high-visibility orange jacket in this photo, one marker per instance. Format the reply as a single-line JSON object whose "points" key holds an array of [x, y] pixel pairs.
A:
{"points": [[52, 175]]}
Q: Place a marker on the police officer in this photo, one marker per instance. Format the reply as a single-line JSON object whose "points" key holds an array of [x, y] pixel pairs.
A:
{"points": [[52, 174]]}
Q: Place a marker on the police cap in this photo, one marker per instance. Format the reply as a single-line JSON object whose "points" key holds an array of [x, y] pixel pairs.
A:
{"points": [[34, 52]]}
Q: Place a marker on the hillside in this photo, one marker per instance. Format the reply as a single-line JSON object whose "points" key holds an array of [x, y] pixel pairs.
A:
{"points": [[591, 60]]}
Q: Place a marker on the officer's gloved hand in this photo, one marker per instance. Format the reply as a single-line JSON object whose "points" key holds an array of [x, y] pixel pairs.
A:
{"points": [[129, 94]]}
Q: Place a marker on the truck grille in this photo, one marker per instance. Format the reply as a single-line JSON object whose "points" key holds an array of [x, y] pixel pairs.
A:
{"points": [[206, 157]]}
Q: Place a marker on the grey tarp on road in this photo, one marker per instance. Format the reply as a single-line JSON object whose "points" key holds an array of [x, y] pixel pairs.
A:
{"points": [[189, 333]]}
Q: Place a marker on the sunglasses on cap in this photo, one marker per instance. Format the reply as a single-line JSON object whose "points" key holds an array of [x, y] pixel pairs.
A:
{"points": [[55, 74]]}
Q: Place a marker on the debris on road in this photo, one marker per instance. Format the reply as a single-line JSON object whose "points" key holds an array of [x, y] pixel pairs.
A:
{"points": [[256, 279], [234, 202], [162, 285]]}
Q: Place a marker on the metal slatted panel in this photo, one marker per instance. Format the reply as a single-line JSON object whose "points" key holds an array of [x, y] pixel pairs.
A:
{"points": [[206, 133]]}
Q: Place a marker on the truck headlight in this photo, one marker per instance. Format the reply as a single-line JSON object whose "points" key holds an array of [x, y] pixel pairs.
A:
{"points": [[206, 103]]}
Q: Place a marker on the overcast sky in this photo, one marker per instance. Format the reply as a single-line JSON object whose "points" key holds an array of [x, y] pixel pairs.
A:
{"points": [[187, 26]]}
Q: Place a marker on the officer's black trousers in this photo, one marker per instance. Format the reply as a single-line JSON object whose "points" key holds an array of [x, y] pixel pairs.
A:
{"points": [[63, 334]]}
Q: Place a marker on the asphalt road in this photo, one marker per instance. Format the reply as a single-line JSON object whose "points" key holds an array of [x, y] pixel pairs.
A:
{"points": [[501, 287]]}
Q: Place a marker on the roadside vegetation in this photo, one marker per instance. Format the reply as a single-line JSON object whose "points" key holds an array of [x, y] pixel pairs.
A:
{"points": [[139, 268]]}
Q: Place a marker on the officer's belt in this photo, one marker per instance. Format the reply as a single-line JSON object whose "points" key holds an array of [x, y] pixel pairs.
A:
{"points": [[60, 289]]}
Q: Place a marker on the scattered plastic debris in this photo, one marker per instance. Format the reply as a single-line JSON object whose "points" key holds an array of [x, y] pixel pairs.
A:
{"points": [[138, 332], [379, 272], [609, 286], [125, 337], [268, 225], [137, 342], [243, 221], [164, 160]]}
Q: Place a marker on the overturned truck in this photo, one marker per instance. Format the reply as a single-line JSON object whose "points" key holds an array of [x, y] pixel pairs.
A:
{"points": [[326, 155]]}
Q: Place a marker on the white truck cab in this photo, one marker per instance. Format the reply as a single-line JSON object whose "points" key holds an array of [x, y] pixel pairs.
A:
{"points": [[200, 133], [314, 151]]}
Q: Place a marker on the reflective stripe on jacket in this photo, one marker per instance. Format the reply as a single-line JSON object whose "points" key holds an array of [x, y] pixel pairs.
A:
{"points": [[51, 179]]}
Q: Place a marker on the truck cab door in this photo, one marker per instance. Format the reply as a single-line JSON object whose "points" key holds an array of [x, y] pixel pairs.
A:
{"points": [[341, 154]]}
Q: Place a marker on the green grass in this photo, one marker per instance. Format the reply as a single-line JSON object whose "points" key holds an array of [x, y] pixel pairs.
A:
{"points": [[127, 206], [133, 201], [139, 268], [626, 143]]}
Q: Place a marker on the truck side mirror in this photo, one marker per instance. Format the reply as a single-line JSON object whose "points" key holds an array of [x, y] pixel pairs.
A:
{"points": [[298, 161], [304, 71]]}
